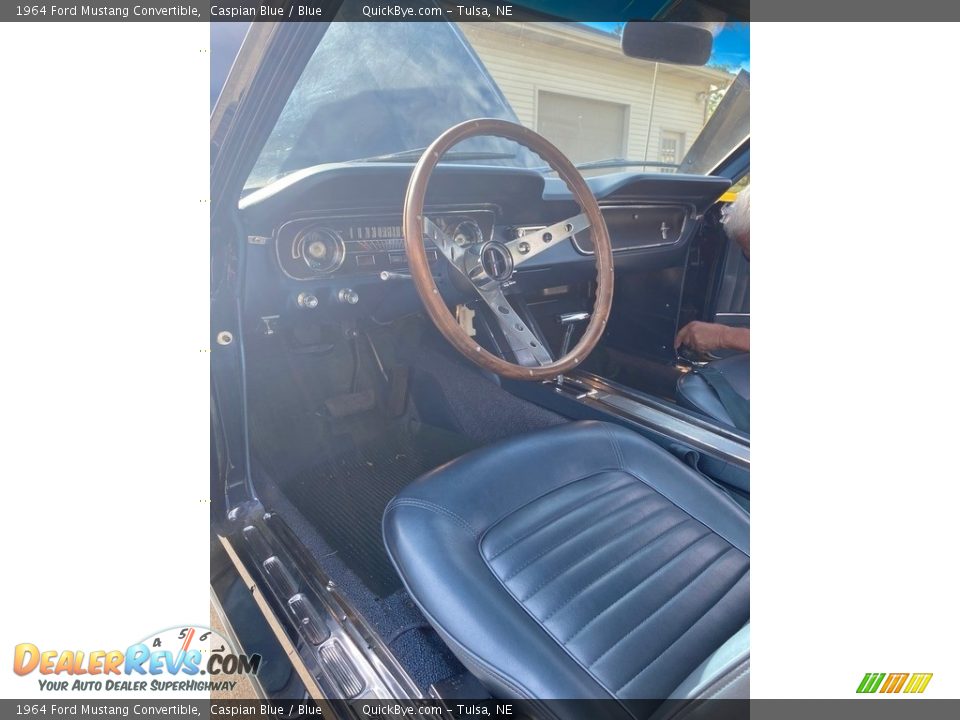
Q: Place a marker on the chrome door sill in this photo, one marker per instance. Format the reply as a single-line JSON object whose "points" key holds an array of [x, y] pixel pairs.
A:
{"points": [[346, 659]]}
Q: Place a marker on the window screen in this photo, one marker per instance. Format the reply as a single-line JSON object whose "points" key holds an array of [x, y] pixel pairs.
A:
{"points": [[671, 148]]}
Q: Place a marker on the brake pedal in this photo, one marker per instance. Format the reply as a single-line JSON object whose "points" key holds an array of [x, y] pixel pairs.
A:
{"points": [[341, 406]]}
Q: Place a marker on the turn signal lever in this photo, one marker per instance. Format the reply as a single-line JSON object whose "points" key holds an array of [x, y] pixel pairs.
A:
{"points": [[388, 275], [569, 322]]}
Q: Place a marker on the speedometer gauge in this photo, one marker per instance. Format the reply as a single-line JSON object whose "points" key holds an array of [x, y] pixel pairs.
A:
{"points": [[322, 249], [467, 233]]}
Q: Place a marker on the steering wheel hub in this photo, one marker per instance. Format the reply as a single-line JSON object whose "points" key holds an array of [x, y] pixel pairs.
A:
{"points": [[496, 261]]}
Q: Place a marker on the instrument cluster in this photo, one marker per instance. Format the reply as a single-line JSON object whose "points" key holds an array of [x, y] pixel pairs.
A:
{"points": [[316, 247]]}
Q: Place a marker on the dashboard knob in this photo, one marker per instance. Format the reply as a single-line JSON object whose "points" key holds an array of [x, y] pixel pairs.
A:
{"points": [[348, 296], [307, 301]]}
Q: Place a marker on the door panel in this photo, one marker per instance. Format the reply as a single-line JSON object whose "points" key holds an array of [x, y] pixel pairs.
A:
{"points": [[732, 306]]}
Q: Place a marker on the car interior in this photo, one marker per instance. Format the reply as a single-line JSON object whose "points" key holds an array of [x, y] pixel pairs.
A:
{"points": [[454, 443]]}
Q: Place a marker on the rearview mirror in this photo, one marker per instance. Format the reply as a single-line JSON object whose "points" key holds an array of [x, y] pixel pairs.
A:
{"points": [[667, 42]]}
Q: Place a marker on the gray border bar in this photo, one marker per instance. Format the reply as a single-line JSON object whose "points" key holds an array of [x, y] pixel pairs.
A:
{"points": [[469, 11], [867, 708]]}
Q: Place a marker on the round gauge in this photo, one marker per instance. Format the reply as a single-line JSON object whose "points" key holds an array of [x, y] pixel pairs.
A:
{"points": [[467, 233], [322, 249], [318, 250]]}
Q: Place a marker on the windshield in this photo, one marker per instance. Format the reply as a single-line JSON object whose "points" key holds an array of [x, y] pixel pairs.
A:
{"points": [[384, 91]]}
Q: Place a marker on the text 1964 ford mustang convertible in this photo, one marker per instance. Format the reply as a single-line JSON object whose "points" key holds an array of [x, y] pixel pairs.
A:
{"points": [[462, 448]]}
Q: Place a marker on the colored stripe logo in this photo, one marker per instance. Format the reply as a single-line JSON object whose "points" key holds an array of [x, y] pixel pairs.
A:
{"points": [[912, 683]]}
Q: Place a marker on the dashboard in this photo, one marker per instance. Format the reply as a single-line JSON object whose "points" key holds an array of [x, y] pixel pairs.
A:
{"points": [[316, 247], [332, 236]]}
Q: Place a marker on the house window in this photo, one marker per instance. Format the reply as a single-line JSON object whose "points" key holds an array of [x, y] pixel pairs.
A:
{"points": [[671, 149], [583, 128]]}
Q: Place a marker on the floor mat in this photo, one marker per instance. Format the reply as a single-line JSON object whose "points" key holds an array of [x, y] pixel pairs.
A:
{"points": [[344, 496]]}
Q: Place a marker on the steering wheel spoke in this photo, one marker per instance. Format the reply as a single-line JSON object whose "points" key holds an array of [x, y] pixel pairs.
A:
{"points": [[532, 243], [446, 247], [525, 346]]}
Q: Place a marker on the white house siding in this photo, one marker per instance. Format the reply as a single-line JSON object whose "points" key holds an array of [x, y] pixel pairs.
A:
{"points": [[525, 59]]}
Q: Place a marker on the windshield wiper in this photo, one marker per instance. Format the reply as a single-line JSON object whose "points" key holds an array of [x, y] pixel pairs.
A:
{"points": [[623, 162], [414, 155]]}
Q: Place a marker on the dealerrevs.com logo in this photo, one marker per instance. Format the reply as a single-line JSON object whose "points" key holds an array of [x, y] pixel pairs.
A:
{"points": [[184, 659], [910, 683]]}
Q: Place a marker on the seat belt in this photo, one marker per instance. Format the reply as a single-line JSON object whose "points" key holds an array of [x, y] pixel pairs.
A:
{"points": [[737, 406]]}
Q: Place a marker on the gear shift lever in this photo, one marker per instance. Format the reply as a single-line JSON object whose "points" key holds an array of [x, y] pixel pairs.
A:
{"points": [[569, 321]]}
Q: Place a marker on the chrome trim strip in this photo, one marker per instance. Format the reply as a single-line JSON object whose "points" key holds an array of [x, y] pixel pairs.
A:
{"points": [[670, 422], [381, 211], [664, 406]]}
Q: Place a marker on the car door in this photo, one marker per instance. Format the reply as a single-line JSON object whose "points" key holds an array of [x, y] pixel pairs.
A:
{"points": [[731, 303]]}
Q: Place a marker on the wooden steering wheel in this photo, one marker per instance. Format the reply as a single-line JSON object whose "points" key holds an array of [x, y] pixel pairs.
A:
{"points": [[487, 270]]}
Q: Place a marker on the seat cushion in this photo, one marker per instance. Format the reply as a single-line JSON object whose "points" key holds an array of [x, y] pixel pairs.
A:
{"points": [[694, 392], [578, 562]]}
